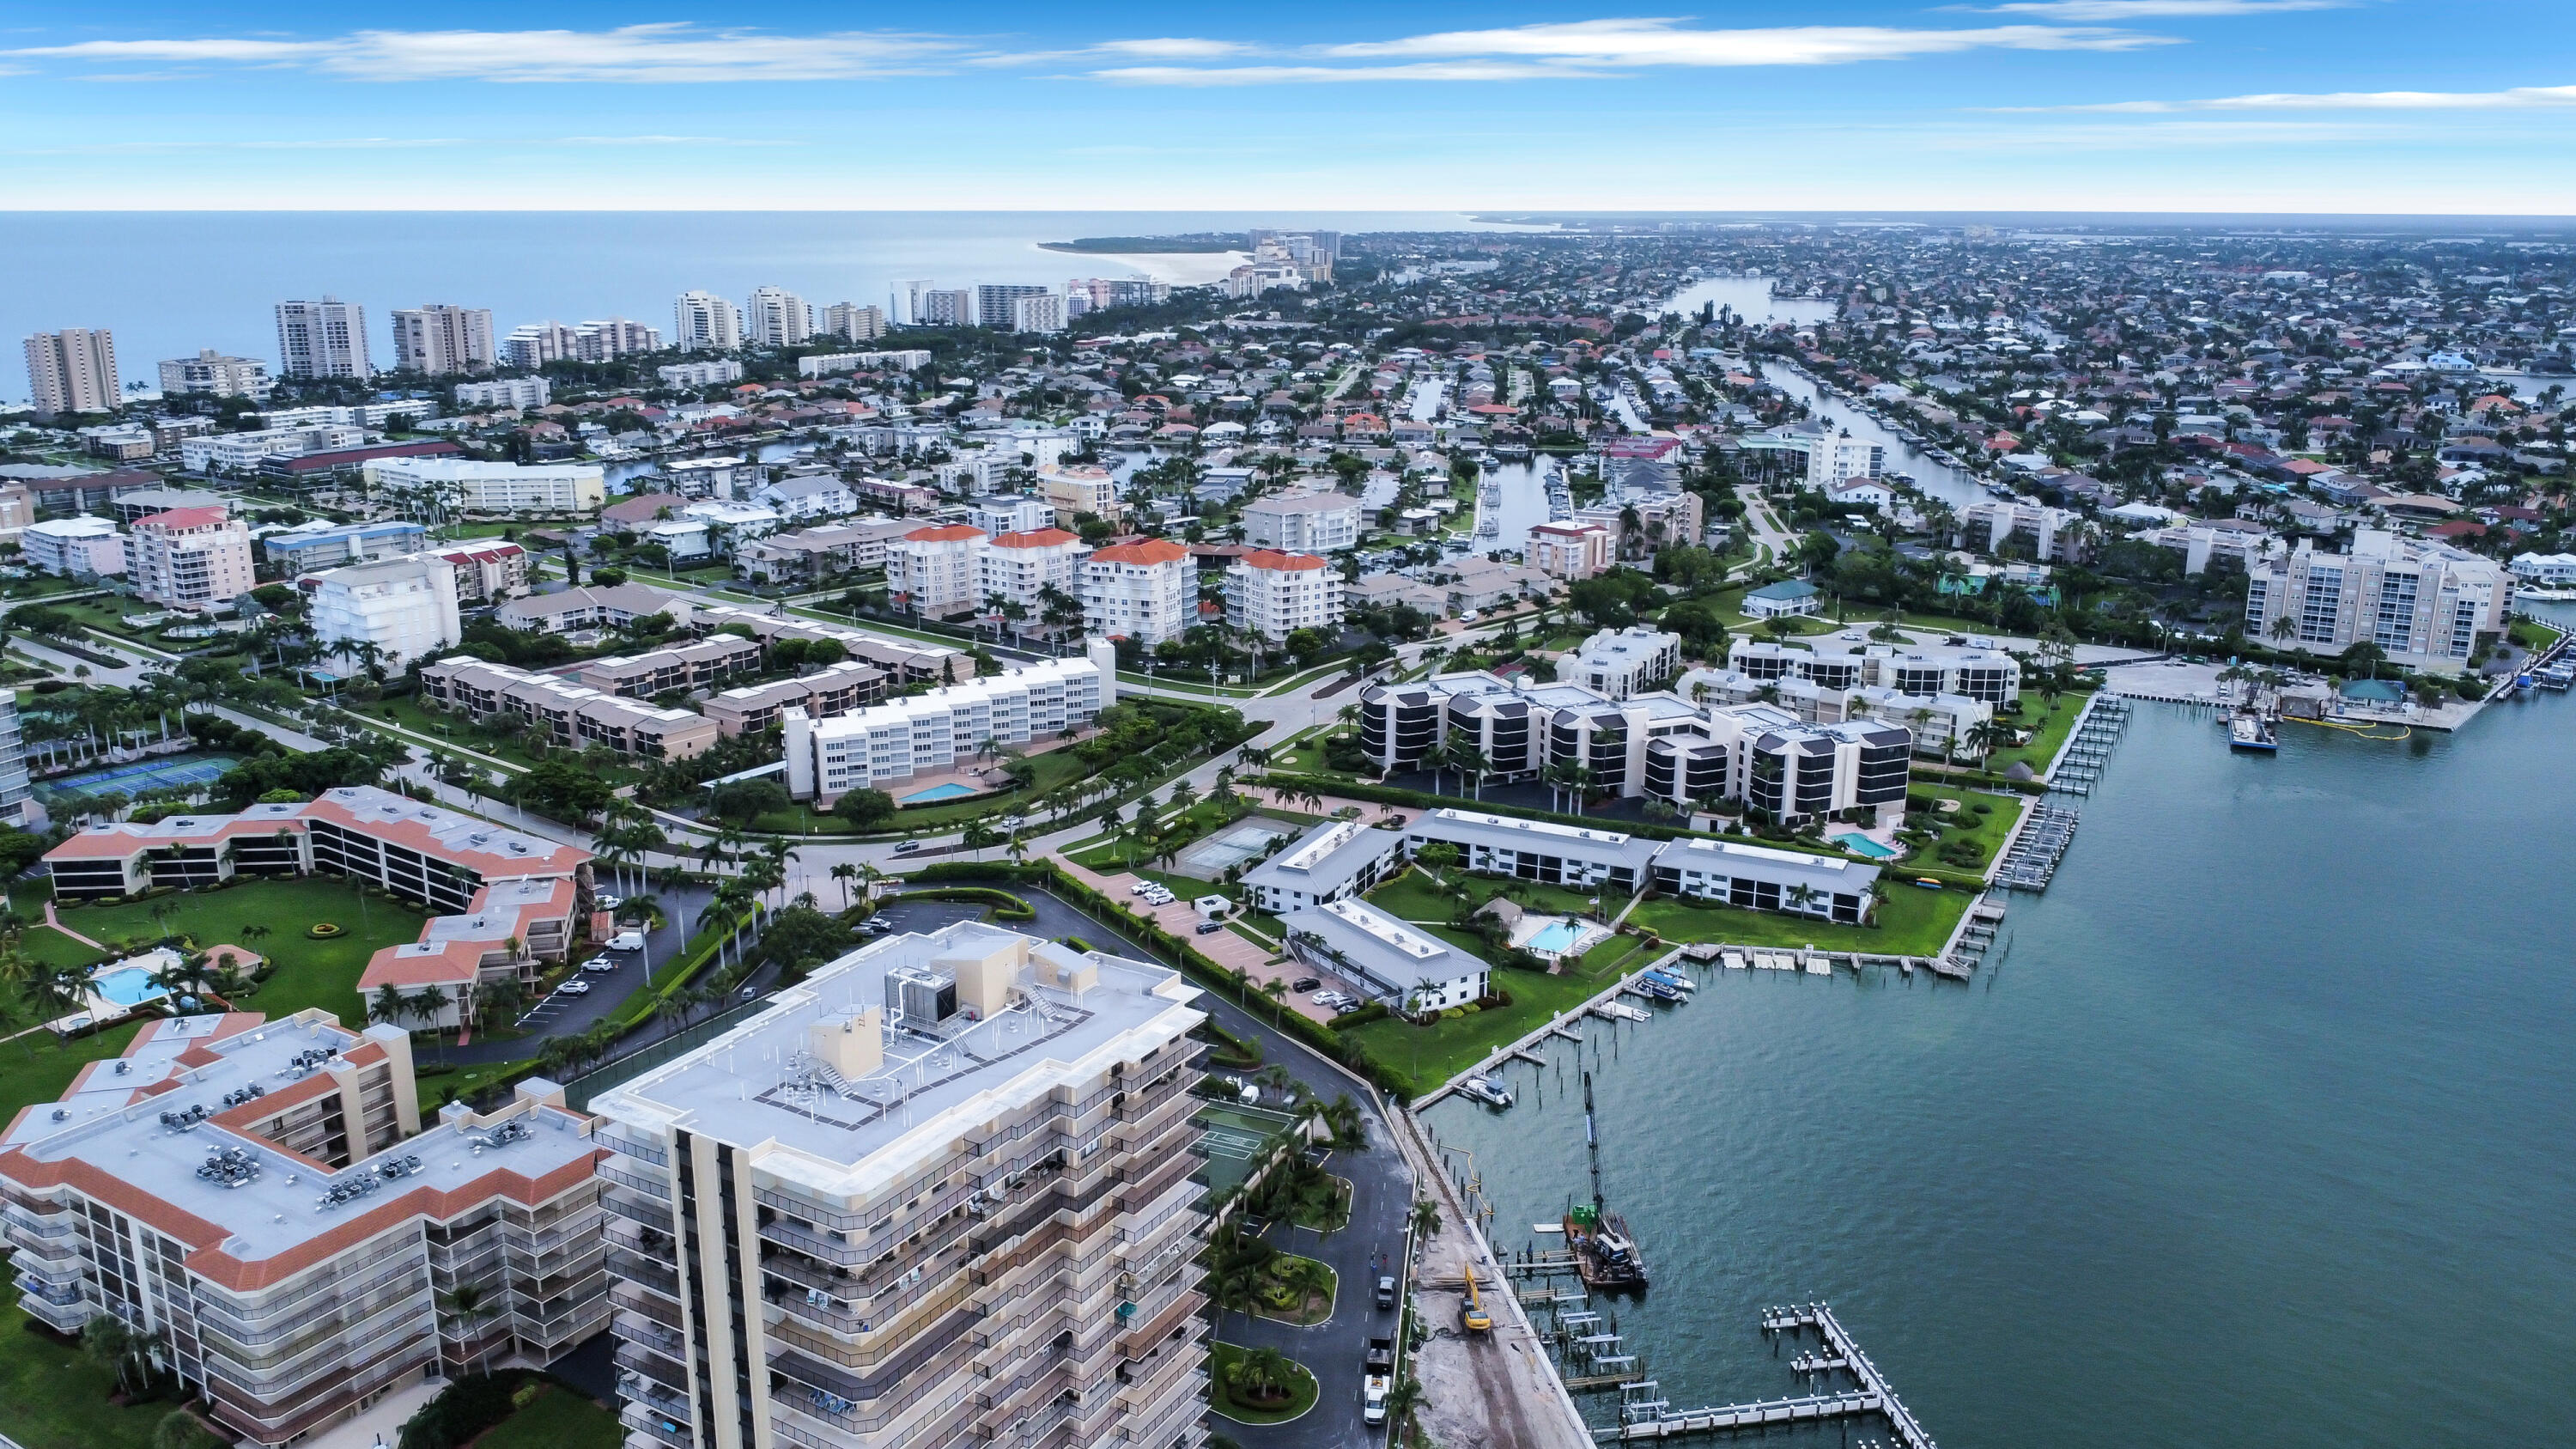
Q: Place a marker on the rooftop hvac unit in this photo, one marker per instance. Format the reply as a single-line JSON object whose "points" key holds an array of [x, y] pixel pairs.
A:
{"points": [[924, 997]]}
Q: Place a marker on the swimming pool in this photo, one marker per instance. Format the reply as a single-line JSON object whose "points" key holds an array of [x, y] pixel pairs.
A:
{"points": [[950, 791], [1556, 937], [1863, 845], [127, 986]]}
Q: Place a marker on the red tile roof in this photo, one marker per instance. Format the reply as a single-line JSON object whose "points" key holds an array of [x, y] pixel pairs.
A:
{"points": [[1033, 538], [185, 518], [1150, 551], [944, 533], [1271, 558]]}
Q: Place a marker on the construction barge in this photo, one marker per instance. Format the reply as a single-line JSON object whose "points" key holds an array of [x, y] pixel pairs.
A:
{"points": [[1605, 1252]]}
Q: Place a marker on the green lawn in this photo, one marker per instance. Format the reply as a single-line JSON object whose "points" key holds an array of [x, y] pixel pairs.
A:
{"points": [[1911, 922], [1426, 1056], [1221, 1399], [557, 1418], [1412, 896], [1986, 832], [2054, 721], [52, 1398], [52, 947], [308, 972]]}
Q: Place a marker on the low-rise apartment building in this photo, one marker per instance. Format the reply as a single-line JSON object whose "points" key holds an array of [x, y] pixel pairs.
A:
{"points": [[931, 731], [568, 715], [596, 607], [1081, 488], [1275, 594], [1334, 861], [827, 693], [1148, 591], [700, 664], [2049, 535], [907, 662], [439, 857], [479, 487], [1825, 887], [243, 452], [302, 551], [1988, 674], [819, 553], [1616, 663], [260, 1199]]}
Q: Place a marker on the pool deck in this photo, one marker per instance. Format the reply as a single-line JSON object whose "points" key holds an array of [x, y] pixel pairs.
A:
{"points": [[969, 780]]}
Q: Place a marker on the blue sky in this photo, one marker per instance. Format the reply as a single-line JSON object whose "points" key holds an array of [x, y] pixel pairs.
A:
{"points": [[2260, 105]]}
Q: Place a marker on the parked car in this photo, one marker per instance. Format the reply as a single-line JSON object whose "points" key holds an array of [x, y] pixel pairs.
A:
{"points": [[600, 963], [574, 987], [610, 903], [1305, 983], [1209, 928]]}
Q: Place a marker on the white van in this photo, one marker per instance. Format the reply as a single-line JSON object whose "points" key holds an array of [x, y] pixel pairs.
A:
{"points": [[626, 941]]}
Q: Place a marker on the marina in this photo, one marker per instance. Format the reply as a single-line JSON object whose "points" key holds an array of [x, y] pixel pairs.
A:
{"points": [[2078, 766], [1644, 1414]]}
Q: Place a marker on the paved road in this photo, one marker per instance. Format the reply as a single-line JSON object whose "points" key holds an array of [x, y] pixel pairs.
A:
{"points": [[1382, 1198], [565, 1013]]}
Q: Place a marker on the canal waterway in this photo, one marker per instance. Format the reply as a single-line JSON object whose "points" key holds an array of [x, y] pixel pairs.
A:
{"points": [[2261, 1131]]}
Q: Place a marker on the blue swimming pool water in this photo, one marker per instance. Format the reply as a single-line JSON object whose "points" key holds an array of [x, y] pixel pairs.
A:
{"points": [[1863, 845], [130, 986], [1556, 936], [949, 791]]}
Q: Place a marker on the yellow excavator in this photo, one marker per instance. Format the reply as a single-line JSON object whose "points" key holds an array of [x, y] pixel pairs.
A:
{"points": [[1472, 1315]]}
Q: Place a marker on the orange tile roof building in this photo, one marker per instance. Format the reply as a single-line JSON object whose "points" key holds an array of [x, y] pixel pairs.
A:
{"points": [[191, 558], [1275, 594], [259, 1199], [1148, 591]]}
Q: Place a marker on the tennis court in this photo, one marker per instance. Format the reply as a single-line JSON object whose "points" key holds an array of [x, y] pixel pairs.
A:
{"points": [[133, 779], [1235, 1135], [1208, 859]]}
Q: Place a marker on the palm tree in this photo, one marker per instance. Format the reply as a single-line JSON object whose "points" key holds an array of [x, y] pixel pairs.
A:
{"points": [[1276, 988], [845, 872], [1426, 1217], [468, 1305], [108, 1343]]}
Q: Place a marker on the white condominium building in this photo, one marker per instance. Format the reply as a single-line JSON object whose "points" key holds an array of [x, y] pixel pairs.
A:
{"points": [[262, 1200], [189, 558], [2052, 535], [1274, 594], [241, 452], [2422, 603], [438, 339], [894, 741], [699, 374], [73, 371], [777, 318], [1148, 592], [854, 323], [706, 322], [938, 571], [1021, 567], [74, 548], [322, 339], [938, 1193], [1303, 523], [481, 487], [508, 392], [1041, 312], [1571, 551], [1080, 488], [213, 372], [406, 607], [1616, 663]]}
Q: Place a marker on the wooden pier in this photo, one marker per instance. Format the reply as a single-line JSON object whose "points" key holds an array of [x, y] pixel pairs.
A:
{"points": [[1645, 1416]]}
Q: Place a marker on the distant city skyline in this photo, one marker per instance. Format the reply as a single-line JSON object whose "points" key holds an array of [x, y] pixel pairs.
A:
{"points": [[2268, 105]]}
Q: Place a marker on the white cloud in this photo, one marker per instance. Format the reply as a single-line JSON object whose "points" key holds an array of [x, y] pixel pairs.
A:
{"points": [[633, 53], [1175, 47], [1265, 75], [2115, 10], [2518, 98], [1650, 42]]}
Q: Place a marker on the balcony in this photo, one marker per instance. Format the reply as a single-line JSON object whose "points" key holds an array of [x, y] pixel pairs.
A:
{"points": [[655, 1431]]}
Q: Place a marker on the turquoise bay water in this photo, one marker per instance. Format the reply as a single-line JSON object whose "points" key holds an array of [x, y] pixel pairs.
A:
{"points": [[2263, 1131]]}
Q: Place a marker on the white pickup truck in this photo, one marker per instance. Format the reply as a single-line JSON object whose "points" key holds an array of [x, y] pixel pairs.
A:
{"points": [[1379, 1380]]}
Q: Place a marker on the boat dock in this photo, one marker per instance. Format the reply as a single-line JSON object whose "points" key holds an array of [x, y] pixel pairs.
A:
{"points": [[2037, 848], [2079, 764], [1643, 1414]]}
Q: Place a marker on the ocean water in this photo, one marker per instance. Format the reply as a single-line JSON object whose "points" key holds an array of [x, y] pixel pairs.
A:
{"points": [[2261, 1132], [169, 283]]}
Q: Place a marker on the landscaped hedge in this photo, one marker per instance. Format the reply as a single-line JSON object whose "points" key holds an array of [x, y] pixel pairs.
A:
{"points": [[1006, 906], [464, 1409]]}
